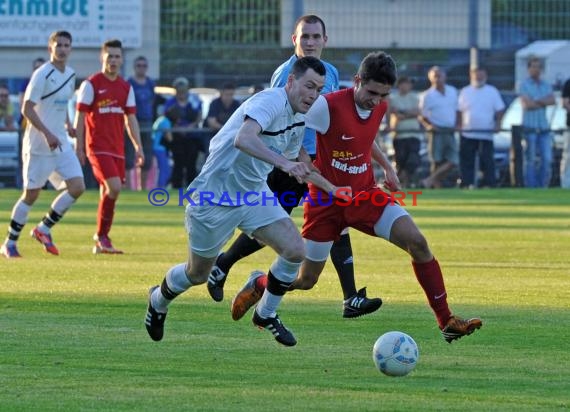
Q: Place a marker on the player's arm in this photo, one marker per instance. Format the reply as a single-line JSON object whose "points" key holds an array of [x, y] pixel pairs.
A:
{"points": [[306, 158], [322, 183], [391, 180], [318, 180], [79, 127], [133, 130], [247, 140], [31, 115], [69, 126], [85, 98]]}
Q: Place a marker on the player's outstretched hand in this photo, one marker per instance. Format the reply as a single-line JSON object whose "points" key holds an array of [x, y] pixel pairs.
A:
{"points": [[391, 181], [298, 170]]}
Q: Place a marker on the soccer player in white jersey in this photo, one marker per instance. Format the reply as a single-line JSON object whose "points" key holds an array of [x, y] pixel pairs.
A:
{"points": [[46, 151], [231, 192]]}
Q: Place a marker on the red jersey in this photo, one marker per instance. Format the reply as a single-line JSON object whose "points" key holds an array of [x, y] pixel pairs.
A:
{"points": [[106, 103], [344, 151]]}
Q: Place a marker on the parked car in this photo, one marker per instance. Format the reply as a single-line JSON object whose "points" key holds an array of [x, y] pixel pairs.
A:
{"points": [[9, 150]]}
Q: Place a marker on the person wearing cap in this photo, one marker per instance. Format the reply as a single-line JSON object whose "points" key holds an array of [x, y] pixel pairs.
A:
{"points": [[184, 148], [405, 129]]}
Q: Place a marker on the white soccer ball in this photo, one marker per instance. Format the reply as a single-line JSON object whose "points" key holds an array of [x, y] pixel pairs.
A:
{"points": [[395, 354]]}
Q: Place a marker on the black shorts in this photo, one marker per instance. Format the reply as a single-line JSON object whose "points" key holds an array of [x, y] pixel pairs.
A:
{"points": [[287, 189], [407, 153]]}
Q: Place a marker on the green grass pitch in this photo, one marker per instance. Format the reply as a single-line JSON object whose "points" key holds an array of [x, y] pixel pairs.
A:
{"points": [[72, 335]]}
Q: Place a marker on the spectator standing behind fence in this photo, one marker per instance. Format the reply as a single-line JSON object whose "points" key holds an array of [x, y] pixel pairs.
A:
{"points": [[185, 148], [222, 107], [161, 142], [565, 162], [438, 114], [7, 122], [405, 129], [143, 87], [536, 94], [481, 110]]}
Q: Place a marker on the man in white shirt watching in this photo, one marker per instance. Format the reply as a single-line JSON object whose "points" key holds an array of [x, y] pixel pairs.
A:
{"points": [[481, 109]]}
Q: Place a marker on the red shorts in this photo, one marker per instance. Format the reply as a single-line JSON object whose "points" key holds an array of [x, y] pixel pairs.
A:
{"points": [[324, 222], [106, 166]]}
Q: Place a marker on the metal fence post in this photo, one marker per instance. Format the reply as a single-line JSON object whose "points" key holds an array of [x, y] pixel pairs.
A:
{"points": [[516, 155]]}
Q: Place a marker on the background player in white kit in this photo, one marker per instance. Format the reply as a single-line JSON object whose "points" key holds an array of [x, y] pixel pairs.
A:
{"points": [[263, 133], [46, 151]]}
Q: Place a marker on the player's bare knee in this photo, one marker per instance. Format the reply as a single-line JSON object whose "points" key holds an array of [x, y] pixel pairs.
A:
{"points": [[30, 196], [76, 190], [418, 247], [294, 253], [198, 268]]}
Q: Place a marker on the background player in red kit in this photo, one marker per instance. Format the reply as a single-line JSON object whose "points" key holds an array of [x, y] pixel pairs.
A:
{"points": [[105, 103], [347, 122]]}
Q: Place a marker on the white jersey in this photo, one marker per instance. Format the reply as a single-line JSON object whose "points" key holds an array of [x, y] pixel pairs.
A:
{"points": [[229, 173], [50, 90]]}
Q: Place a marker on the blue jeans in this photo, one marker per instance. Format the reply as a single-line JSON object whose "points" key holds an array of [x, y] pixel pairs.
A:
{"points": [[537, 144], [469, 149], [164, 169], [565, 162]]}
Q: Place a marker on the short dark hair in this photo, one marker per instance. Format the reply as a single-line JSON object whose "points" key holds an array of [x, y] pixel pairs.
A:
{"points": [[228, 86], [303, 64], [533, 59], [310, 19], [404, 79], [60, 33], [112, 43], [378, 66]]}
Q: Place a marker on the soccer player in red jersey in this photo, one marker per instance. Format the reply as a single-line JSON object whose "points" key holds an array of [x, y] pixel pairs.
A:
{"points": [[347, 122], [105, 103]]}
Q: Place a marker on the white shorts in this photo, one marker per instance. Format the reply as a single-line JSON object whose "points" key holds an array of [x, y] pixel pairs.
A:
{"points": [[211, 227], [38, 169]]}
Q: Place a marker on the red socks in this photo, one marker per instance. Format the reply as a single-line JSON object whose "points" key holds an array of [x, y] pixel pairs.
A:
{"points": [[105, 214], [431, 280], [261, 283]]}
